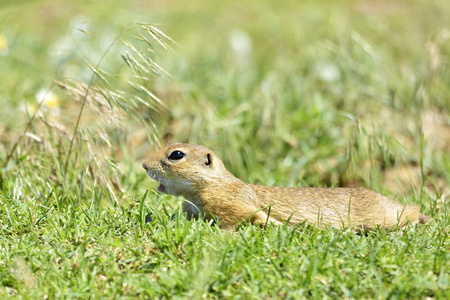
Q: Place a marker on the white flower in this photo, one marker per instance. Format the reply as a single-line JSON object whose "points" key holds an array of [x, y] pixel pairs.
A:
{"points": [[328, 72], [49, 100], [241, 45]]}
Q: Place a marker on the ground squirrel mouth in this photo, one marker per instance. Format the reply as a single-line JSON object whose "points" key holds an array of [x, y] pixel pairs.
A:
{"points": [[161, 188]]}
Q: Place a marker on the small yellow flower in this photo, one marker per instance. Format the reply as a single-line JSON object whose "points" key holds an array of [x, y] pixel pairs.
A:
{"points": [[3, 44], [50, 100]]}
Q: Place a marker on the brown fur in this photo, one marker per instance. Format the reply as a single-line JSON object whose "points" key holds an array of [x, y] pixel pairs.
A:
{"points": [[213, 192]]}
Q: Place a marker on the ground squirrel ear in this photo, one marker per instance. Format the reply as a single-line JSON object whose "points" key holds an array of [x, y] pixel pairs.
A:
{"points": [[208, 160]]}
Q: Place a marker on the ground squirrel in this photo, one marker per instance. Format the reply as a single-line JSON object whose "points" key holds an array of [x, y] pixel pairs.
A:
{"points": [[198, 174]]}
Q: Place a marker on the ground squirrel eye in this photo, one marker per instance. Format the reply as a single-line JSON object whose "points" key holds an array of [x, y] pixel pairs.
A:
{"points": [[176, 155]]}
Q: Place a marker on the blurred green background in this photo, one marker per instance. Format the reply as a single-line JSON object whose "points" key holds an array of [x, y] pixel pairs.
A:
{"points": [[292, 93]]}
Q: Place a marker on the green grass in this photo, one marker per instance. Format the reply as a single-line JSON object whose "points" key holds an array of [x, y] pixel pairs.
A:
{"points": [[311, 94]]}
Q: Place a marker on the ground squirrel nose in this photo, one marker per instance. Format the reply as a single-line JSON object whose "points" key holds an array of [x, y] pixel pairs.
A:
{"points": [[144, 166]]}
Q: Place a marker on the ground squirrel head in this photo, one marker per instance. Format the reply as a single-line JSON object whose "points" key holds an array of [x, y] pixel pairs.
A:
{"points": [[183, 169]]}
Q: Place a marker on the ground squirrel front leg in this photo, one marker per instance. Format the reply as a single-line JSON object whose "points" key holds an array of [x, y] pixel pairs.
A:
{"points": [[191, 210]]}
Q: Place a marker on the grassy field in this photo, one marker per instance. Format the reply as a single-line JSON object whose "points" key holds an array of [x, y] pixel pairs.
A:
{"points": [[293, 93]]}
